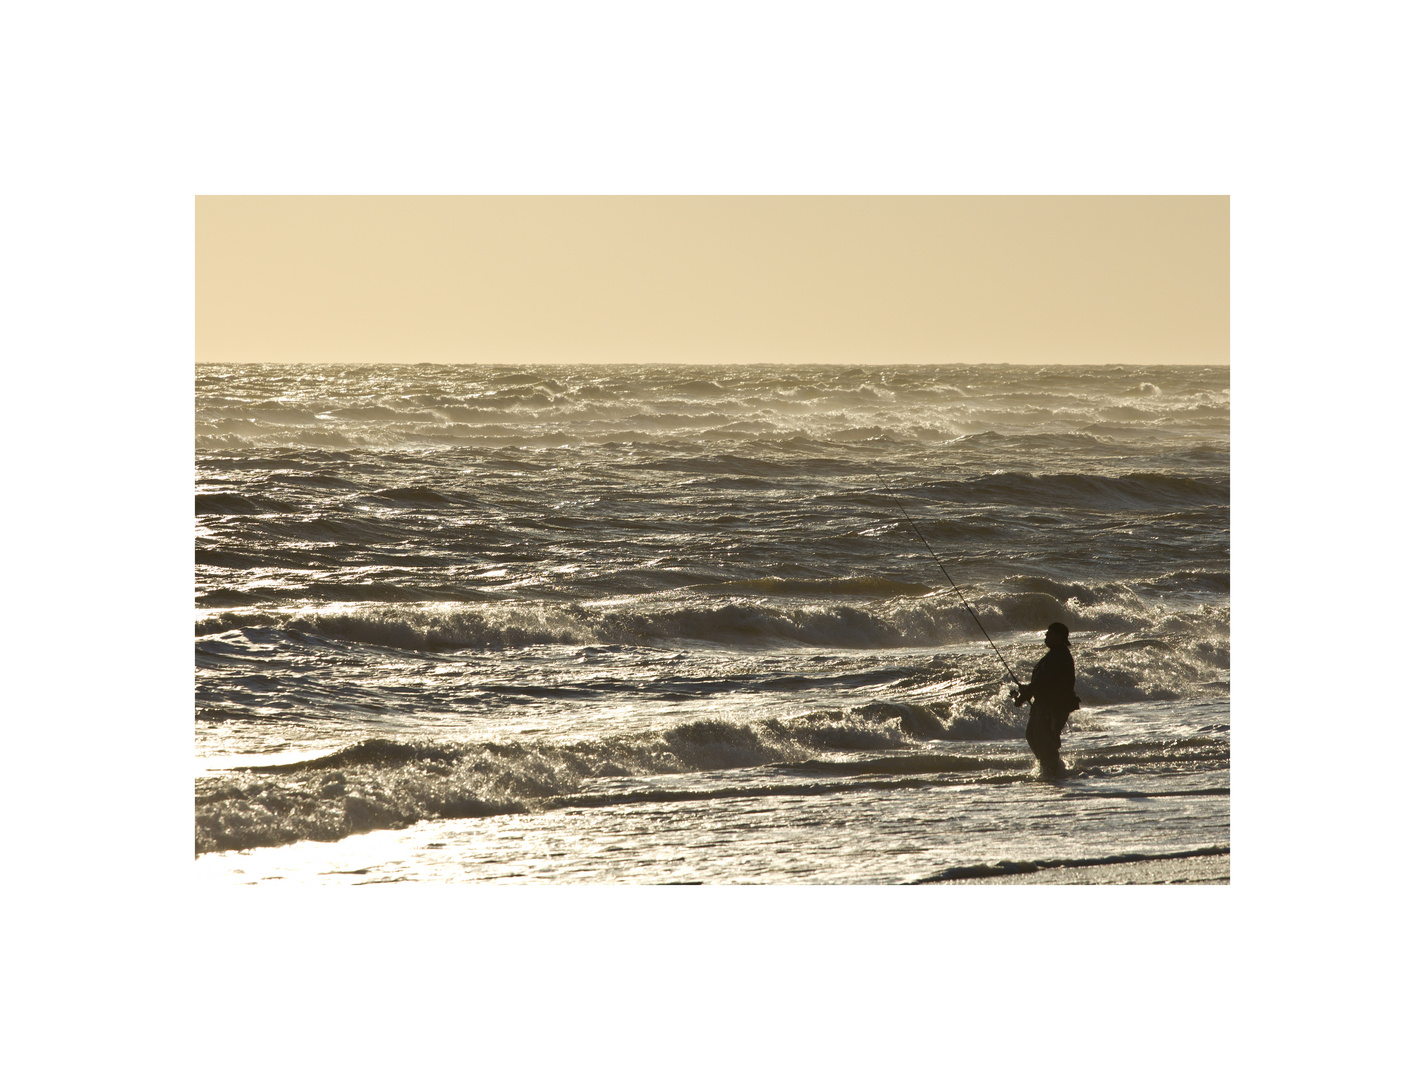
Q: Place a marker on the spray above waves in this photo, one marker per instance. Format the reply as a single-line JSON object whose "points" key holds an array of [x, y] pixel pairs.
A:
{"points": [[512, 625]]}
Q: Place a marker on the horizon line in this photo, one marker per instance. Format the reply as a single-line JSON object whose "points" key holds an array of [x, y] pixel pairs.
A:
{"points": [[722, 363]]}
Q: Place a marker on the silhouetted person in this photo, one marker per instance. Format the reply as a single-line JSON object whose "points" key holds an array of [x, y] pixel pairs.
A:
{"points": [[1051, 689]]}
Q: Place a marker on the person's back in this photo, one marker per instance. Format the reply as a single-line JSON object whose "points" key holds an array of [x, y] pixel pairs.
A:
{"points": [[1051, 689]]}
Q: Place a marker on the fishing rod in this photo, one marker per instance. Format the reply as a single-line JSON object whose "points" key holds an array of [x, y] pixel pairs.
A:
{"points": [[948, 578]]}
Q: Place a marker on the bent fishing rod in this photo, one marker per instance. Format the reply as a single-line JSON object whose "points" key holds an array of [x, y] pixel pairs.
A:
{"points": [[923, 540]]}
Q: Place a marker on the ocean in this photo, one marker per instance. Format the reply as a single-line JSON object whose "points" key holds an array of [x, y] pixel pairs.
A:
{"points": [[680, 624]]}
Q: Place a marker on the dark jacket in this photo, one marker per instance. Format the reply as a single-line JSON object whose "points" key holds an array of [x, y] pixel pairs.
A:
{"points": [[1052, 685]]}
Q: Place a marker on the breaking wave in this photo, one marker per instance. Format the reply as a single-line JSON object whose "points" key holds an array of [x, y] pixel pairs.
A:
{"points": [[778, 620]]}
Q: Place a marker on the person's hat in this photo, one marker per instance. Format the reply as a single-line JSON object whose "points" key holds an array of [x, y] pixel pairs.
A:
{"points": [[1060, 629]]}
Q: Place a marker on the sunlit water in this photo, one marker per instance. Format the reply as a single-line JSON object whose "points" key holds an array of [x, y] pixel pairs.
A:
{"points": [[643, 624]]}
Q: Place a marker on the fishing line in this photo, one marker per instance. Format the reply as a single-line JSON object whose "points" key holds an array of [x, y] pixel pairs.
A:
{"points": [[948, 578]]}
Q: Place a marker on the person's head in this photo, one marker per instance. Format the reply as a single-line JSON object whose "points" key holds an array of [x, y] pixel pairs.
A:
{"points": [[1057, 634]]}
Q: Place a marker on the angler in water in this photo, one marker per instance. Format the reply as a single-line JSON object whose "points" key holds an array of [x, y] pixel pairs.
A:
{"points": [[1051, 689]]}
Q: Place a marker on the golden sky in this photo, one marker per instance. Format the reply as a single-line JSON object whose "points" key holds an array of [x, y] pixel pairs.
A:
{"points": [[713, 279]]}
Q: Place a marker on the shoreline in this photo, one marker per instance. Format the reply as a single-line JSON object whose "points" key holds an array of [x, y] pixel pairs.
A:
{"points": [[1206, 867]]}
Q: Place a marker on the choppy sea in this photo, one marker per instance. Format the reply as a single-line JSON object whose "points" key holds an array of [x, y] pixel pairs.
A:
{"points": [[672, 624]]}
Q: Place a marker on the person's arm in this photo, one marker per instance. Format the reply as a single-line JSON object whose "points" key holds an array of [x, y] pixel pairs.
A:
{"points": [[1027, 692]]}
